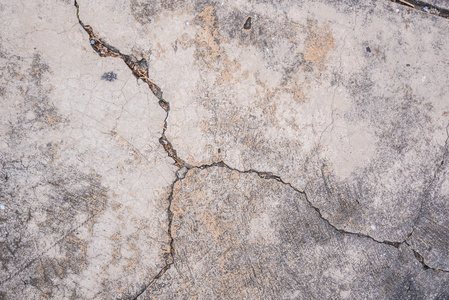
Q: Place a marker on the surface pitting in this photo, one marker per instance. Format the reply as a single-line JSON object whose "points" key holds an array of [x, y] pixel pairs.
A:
{"points": [[205, 149]]}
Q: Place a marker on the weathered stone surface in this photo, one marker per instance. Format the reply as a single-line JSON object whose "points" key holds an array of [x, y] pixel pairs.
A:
{"points": [[332, 107], [254, 238], [105, 194], [432, 228], [346, 102], [83, 179]]}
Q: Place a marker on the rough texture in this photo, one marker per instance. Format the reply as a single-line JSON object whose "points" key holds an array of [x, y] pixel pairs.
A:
{"points": [[344, 102], [254, 238], [212, 149], [443, 4], [83, 179], [432, 226]]}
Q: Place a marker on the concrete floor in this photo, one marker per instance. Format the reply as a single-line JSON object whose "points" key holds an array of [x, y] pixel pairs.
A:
{"points": [[224, 150]]}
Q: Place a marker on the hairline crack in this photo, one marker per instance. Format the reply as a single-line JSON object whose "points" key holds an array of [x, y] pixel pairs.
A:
{"points": [[140, 70]]}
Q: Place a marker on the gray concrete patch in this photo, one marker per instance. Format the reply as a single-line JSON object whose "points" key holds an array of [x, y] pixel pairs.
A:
{"points": [[211, 149], [255, 238]]}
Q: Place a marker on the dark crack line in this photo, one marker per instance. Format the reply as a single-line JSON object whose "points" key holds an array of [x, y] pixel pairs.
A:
{"points": [[171, 256], [420, 258], [269, 175], [140, 70], [425, 7]]}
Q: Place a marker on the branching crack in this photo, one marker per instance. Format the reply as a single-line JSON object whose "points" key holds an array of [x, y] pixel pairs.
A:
{"points": [[140, 69]]}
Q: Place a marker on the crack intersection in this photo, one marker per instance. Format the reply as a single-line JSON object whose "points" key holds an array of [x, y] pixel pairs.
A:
{"points": [[140, 69]]}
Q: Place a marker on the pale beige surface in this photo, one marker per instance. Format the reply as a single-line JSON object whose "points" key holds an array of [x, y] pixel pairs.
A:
{"points": [[326, 122], [300, 96], [84, 179]]}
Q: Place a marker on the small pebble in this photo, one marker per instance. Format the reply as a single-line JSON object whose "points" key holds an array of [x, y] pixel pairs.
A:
{"points": [[2, 207], [373, 227], [187, 23], [92, 42]]}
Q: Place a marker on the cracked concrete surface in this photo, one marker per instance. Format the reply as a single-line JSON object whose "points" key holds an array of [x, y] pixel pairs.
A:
{"points": [[207, 149]]}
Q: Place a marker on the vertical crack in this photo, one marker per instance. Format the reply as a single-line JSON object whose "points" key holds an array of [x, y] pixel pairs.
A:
{"points": [[169, 261], [140, 70]]}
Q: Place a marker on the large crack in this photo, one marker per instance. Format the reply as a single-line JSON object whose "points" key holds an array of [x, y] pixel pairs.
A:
{"points": [[271, 176], [140, 69], [268, 175]]}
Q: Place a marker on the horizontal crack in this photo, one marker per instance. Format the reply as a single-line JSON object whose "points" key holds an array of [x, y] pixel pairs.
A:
{"points": [[269, 175], [140, 69]]}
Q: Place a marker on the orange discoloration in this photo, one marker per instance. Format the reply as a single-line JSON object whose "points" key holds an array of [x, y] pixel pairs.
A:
{"points": [[318, 44]]}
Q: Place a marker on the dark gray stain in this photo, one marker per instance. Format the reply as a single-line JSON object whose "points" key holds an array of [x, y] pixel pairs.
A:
{"points": [[444, 296], [109, 76], [408, 289], [247, 24], [70, 194]]}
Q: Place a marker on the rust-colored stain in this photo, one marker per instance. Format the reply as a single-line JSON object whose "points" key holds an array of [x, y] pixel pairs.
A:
{"points": [[207, 35], [318, 43], [208, 50]]}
